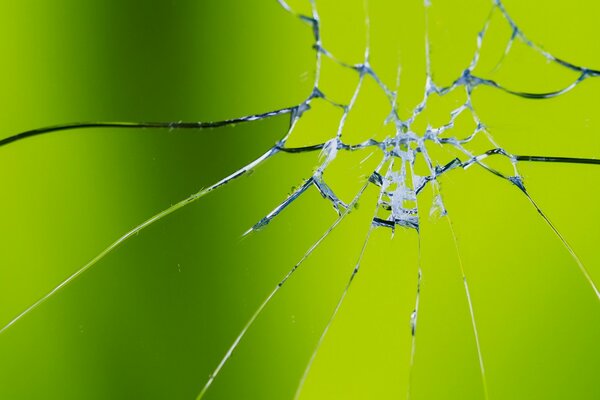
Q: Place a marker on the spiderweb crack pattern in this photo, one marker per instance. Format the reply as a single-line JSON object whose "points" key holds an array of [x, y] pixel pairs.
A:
{"points": [[395, 176]]}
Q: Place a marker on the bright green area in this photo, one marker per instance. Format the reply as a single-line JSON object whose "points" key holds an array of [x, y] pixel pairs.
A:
{"points": [[153, 318]]}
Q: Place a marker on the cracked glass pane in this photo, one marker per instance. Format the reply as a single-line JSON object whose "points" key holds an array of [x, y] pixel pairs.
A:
{"points": [[299, 199]]}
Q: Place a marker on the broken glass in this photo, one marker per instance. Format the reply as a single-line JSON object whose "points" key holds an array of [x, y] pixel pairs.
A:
{"points": [[411, 217]]}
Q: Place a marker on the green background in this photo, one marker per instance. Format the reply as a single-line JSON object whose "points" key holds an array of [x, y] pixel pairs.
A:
{"points": [[154, 317]]}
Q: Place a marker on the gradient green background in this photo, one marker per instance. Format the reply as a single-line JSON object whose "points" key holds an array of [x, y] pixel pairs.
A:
{"points": [[152, 319]]}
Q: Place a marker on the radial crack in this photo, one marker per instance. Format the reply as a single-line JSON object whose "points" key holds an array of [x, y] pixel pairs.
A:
{"points": [[268, 299], [196, 196], [471, 312], [342, 296]]}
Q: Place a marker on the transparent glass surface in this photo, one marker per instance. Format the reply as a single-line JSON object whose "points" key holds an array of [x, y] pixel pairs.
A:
{"points": [[301, 199]]}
